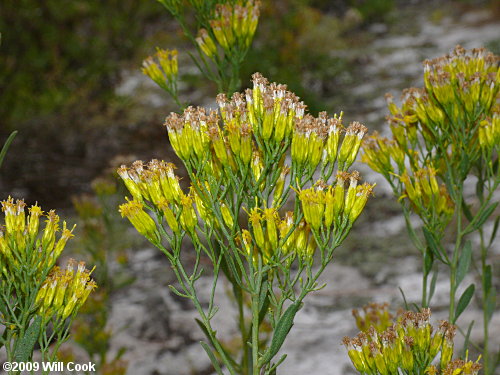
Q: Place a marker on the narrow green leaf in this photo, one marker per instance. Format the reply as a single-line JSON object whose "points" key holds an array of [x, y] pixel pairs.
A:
{"points": [[484, 216], [6, 146], [428, 261], [487, 279], [404, 298], [490, 304], [208, 336], [495, 230], [263, 300], [432, 287], [176, 292], [464, 262], [465, 166], [467, 339], [26, 344], [211, 355], [464, 301], [434, 245], [281, 331], [467, 212]]}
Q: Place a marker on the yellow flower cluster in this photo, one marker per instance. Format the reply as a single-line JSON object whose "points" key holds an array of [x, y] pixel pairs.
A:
{"points": [[456, 367], [270, 234], [157, 184], [273, 116], [64, 292], [374, 315], [233, 28], [408, 344], [489, 130], [241, 149], [423, 191], [333, 205], [21, 234], [461, 93], [162, 68]]}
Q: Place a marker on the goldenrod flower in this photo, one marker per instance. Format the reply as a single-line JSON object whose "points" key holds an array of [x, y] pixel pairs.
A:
{"points": [[206, 43], [271, 217], [362, 194], [64, 292], [226, 215], [164, 206], [255, 218], [335, 128], [143, 223], [401, 346], [233, 26], [284, 227], [313, 206], [188, 218], [164, 72], [350, 145], [374, 315]]}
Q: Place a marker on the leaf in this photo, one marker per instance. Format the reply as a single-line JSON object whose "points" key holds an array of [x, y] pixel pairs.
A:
{"points": [[211, 355], [280, 332], [26, 344], [263, 300], [6, 146], [464, 301], [435, 246], [487, 279], [428, 261], [490, 304], [495, 230], [466, 342], [464, 262], [404, 298], [484, 216], [432, 288], [467, 212], [464, 166], [208, 336]]}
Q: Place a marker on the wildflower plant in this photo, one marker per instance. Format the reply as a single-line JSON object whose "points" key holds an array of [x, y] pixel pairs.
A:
{"points": [[223, 33], [409, 346], [256, 157], [443, 136], [38, 300]]}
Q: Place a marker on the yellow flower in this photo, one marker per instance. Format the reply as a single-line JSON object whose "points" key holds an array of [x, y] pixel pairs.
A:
{"points": [[143, 223], [206, 43]]}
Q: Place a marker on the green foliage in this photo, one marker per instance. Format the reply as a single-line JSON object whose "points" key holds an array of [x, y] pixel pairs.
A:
{"points": [[303, 38], [58, 55], [6, 146], [373, 10]]}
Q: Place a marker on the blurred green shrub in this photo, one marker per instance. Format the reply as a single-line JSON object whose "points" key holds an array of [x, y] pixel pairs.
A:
{"points": [[303, 35], [56, 55], [373, 10]]}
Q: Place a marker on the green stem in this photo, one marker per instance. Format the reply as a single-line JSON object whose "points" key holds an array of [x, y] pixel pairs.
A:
{"points": [[484, 253], [255, 334], [243, 331], [424, 286], [456, 252]]}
